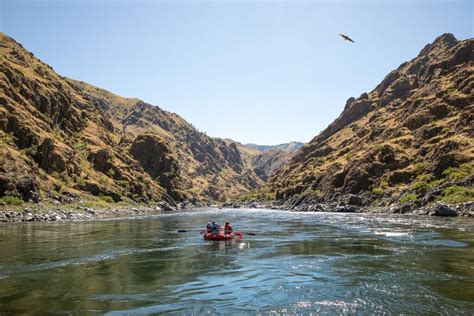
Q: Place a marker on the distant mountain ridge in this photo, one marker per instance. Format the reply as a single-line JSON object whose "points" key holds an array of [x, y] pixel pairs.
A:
{"points": [[287, 147], [265, 160]]}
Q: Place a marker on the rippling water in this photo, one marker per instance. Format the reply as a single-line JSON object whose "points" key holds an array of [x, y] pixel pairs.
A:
{"points": [[297, 263]]}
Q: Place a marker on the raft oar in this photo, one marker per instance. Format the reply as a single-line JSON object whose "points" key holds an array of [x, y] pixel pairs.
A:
{"points": [[187, 231], [247, 233]]}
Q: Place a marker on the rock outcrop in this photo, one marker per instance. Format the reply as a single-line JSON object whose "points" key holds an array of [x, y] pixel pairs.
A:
{"points": [[157, 160]]}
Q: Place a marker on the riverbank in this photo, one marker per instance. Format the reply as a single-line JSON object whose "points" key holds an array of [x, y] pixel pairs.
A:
{"points": [[31, 212], [72, 212], [353, 206]]}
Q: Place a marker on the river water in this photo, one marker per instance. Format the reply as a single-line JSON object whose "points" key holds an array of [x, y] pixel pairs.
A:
{"points": [[297, 263]]}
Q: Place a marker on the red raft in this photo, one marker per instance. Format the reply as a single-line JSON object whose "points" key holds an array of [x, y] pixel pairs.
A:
{"points": [[222, 237]]}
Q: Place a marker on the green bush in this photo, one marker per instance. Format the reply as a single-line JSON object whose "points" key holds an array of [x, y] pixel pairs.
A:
{"points": [[106, 198], [124, 184], [30, 151], [425, 181], [420, 167], [103, 180], [458, 194], [377, 191], [12, 200], [420, 185], [80, 146], [111, 173], [425, 177], [459, 173], [410, 197], [258, 194], [11, 139], [435, 183]]}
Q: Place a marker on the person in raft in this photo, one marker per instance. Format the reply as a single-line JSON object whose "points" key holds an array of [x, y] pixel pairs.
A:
{"points": [[209, 227], [228, 228], [215, 228]]}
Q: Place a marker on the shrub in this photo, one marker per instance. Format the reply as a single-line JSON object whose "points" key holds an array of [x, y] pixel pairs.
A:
{"points": [[459, 173], [12, 200], [111, 173], [419, 185], [80, 146], [258, 194], [435, 183], [377, 191], [30, 151], [103, 180], [11, 139], [425, 177], [106, 198], [458, 194], [124, 184], [410, 197], [420, 167], [81, 182], [424, 182]]}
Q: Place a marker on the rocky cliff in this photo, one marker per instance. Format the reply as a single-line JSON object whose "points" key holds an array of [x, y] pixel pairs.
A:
{"points": [[65, 139], [410, 139]]}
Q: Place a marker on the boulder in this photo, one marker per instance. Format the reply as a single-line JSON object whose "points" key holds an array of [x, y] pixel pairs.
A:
{"points": [[386, 154], [398, 177], [28, 189], [345, 209], [164, 206], [7, 184], [352, 199], [443, 210], [101, 160]]}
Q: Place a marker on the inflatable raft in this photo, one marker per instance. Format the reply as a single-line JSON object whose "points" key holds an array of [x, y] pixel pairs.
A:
{"points": [[222, 237]]}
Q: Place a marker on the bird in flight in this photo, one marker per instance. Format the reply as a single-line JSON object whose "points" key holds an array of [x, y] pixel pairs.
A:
{"points": [[347, 38]]}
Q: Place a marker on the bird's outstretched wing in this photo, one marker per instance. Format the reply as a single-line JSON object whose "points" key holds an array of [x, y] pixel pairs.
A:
{"points": [[347, 38]]}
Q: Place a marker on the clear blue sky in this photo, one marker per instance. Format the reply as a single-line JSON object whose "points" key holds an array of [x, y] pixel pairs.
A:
{"points": [[265, 72]]}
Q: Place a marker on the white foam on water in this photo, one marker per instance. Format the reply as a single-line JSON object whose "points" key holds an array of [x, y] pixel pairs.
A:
{"points": [[391, 234]]}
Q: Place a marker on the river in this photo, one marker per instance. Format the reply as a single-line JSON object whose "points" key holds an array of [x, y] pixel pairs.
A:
{"points": [[296, 263]]}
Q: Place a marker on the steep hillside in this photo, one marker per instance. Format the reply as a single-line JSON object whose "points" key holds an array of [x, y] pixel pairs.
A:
{"points": [[209, 167], [66, 139], [409, 139]]}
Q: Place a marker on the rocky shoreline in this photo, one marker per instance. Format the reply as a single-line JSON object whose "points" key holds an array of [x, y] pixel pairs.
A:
{"points": [[40, 213], [437, 209], [48, 213]]}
